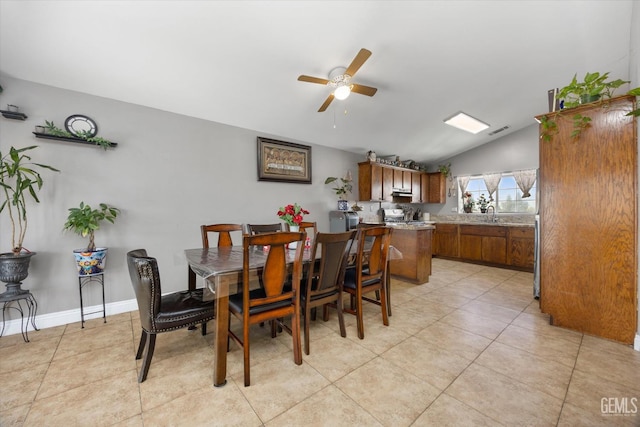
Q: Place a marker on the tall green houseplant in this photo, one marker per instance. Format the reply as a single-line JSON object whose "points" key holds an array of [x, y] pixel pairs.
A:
{"points": [[20, 179]]}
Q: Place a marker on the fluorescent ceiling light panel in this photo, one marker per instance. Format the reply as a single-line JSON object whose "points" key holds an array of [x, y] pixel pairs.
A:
{"points": [[466, 122]]}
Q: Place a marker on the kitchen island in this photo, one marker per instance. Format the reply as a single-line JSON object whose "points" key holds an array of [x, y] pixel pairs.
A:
{"points": [[414, 241]]}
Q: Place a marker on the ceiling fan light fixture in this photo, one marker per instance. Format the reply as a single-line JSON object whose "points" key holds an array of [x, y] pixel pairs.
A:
{"points": [[467, 123], [342, 92]]}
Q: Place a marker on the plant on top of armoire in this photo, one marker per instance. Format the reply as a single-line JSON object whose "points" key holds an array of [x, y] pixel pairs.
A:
{"points": [[593, 88]]}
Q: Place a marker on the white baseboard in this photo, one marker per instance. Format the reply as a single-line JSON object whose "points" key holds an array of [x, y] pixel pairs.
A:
{"points": [[70, 316], [636, 342]]}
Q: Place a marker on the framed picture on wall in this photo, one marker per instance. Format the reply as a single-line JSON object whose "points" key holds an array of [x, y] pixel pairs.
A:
{"points": [[283, 161]]}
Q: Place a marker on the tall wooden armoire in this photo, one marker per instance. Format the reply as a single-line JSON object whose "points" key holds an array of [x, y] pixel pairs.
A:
{"points": [[588, 222]]}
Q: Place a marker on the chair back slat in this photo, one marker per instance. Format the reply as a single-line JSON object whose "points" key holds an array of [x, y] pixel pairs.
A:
{"points": [[253, 229], [334, 252], [380, 238], [275, 273], [224, 233]]}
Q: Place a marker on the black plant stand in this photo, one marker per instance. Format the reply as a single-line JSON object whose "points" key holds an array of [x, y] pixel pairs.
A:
{"points": [[82, 282], [12, 300]]}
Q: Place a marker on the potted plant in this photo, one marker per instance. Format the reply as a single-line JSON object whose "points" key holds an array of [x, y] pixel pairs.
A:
{"points": [[341, 190], [594, 87], [293, 215], [445, 170], [483, 203], [85, 221], [467, 202], [19, 178]]}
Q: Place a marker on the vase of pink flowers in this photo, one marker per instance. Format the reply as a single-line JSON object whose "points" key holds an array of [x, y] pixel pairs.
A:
{"points": [[293, 215]]}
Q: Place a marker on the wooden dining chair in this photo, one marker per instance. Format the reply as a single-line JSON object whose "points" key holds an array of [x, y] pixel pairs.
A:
{"points": [[309, 227], [324, 278], [273, 300], [224, 239], [253, 229], [162, 313], [224, 233], [370, 276]]}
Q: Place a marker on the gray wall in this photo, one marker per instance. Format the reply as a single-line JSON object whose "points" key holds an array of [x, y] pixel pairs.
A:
{"points": [[169, 174], [515, 151]]}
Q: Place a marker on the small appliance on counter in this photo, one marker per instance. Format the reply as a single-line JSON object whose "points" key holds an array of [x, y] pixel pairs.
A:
{"points": [[392, 215], [399, 216], [341, 221]]}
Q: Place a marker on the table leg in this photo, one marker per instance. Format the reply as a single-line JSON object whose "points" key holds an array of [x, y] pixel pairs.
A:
{"points": [[388, 289], [191, 279], [220, 344]]}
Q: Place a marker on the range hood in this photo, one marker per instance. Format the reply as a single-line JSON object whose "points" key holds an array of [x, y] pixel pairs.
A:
{"points": [[401, 192]]}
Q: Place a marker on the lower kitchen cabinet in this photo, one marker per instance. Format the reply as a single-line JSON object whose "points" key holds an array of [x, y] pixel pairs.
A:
{"points": [[445, 241], [484, 243], [521, 247], [490, 244]]}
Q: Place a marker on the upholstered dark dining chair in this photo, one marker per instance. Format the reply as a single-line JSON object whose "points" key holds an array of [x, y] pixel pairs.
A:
{"points": [[369, 277], [273, 300], [254, 229], [323, 285], [162, 313], [224, 233]]}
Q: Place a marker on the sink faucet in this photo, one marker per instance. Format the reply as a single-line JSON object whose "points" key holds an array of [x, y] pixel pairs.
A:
{"points": [[493, 216]]}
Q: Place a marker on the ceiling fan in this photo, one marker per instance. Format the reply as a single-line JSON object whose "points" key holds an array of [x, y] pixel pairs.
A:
{"points": [[340, 79]]}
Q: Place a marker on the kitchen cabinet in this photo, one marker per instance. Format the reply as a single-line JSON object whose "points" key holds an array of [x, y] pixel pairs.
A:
{"points": [[499, 245], [369, 181], [387, 184], [376, 182], [446, 241], [588, 221], [484, 243], [437, 188], [416, 187], [521, 247]]}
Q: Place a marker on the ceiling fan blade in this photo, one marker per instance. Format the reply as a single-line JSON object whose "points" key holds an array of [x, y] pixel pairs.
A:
{"points": [[364, 90], [357, 62], [310, 79], [326, 103]]}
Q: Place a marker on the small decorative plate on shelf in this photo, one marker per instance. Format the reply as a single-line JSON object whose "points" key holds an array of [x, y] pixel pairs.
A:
{"points": [[81, 126]]}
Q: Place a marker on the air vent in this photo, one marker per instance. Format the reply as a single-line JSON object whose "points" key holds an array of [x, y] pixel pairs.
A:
{"points": [[499, 130]]}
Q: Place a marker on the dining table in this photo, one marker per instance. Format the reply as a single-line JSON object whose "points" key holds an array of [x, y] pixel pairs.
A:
{"points": [[222, 269]]}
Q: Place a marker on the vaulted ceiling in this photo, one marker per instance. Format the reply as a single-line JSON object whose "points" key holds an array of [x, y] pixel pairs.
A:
{"points": [[237, 62]]}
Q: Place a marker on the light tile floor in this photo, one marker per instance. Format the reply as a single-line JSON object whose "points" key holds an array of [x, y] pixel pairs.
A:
{"points": [[469, 348]]}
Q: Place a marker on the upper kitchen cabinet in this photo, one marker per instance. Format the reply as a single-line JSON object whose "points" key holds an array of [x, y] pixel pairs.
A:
{"points": [[370, 181], [588, 216], [435, 185], [378, 182], [416, 187]]}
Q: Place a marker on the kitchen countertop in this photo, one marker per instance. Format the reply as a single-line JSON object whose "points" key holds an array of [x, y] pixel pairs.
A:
{"points": [[405, 226], [491, 224]]}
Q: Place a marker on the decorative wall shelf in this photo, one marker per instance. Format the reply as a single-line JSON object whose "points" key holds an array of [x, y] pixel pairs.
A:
{"points": [[13, 115], [69, 139]]}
